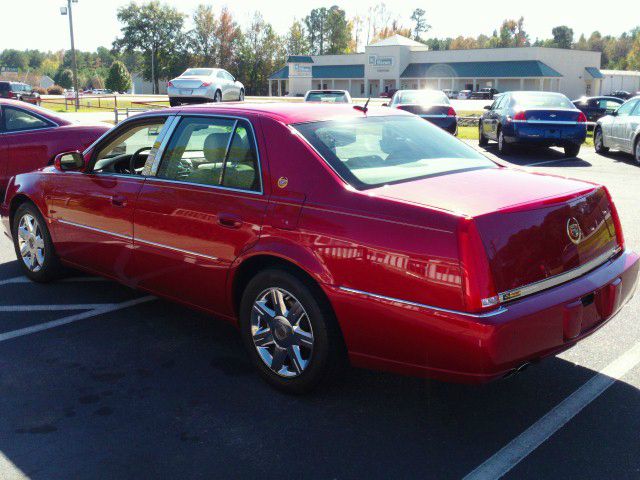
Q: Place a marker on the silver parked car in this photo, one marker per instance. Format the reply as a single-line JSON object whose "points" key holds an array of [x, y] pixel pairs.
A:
{"points": [[620, 130], [202, 85]]}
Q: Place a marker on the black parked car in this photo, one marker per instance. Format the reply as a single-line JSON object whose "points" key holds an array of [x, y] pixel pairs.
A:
{"points": [[597, 107], [486, 93], [623, 94], [432, 105], [19, 91]]}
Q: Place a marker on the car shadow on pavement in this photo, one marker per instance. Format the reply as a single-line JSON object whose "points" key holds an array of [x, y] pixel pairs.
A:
{"points": [[620, 157], [159, 391], [532, 156]]}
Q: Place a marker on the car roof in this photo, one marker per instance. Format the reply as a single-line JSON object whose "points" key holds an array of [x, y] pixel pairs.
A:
{"points": [[286, 112]]}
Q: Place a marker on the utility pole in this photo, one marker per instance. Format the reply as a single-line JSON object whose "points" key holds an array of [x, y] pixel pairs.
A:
{"points": [[73, 51]]}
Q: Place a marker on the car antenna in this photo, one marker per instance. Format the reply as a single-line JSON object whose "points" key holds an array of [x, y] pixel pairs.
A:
{"points": [[363, 108]]}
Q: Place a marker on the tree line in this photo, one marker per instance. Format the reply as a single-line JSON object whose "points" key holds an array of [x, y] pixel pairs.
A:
{"points": [[155, 43]]}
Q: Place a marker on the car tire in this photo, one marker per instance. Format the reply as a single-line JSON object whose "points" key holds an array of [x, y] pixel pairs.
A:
{"points": [[503, 147], [636, 150], [33, 246], [294, 357], [571, 150], [482, 140], [217, 97], [241, 97], [173, 102], [598, 141]]}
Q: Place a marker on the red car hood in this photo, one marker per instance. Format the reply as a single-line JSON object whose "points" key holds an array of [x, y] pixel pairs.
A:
{"points": [[478, 192]]}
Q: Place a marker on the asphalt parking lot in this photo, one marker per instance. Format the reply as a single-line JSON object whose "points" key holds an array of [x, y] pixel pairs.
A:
{"points": [[98, 381]]}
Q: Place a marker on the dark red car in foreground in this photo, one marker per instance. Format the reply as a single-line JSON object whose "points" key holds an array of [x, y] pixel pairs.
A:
{"points": [[333, 232], [31, 137]]}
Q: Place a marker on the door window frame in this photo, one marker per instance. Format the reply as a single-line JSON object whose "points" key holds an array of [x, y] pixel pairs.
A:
{"points": [[160, 154]]}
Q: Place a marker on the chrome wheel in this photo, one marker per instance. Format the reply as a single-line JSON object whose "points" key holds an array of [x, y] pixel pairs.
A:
{"points": [[31, 243], [500, 141], [281, 332], [598, 140], [638, 151]]}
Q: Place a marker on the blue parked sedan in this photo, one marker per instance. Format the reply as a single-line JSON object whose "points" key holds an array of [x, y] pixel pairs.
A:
{"points": [[432, 105], [534, 118]]}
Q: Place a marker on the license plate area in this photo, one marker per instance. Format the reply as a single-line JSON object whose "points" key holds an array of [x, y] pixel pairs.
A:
{"points": [[591, 310], [186, 91]]}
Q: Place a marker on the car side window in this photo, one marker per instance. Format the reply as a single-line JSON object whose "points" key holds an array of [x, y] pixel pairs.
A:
{"points": [[116, 155], [626, 108], [220, 74], [212, 151], [16, 120]]}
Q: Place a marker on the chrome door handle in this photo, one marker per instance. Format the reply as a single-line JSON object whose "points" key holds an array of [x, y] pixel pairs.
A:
{"points": [[118, 201], [229, 221]]}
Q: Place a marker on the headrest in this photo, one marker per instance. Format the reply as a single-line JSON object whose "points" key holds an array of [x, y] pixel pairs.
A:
{"points": [[215, 146]]}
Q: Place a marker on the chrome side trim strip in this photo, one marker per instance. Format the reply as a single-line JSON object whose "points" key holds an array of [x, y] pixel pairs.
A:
{"points": [[558, 279], [174, 249], [97, 230], [492, 313], [137, 240]]}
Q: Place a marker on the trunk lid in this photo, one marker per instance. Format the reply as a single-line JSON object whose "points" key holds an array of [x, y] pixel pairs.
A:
{"points": [[533, 243], [551, 115], [426, 109], [187, 82]]}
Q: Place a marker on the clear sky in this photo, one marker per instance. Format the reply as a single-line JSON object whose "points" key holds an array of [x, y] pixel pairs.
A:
{"points": [[42, 27]]}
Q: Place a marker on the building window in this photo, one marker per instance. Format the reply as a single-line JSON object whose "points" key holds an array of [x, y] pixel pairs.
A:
{"points": [[362, 88]]}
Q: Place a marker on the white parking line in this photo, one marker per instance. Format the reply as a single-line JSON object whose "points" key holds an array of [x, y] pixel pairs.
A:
{"points": [[9, 471], [73, 318], [525, 443], [53, 308]]}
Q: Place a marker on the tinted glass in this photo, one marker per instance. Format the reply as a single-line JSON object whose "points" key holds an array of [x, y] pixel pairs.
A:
{"points": [[373, 151], [626, 109], [208, 151], [4, 86], [330, 97], [16, 120], [201, 72], [541, 100], [420, 97]]}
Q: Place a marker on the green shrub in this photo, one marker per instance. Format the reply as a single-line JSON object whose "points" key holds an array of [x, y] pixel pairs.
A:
{"points": [[55, 90]]}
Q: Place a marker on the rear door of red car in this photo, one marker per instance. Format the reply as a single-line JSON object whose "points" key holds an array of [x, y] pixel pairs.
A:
{"points": [[93, 211], [201, 207], [28, 138]]}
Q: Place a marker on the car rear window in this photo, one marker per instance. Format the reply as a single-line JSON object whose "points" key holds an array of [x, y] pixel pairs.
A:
{"points": [[373, 151], [330, 97], [421, 97], [541, 100], [199, 72]]}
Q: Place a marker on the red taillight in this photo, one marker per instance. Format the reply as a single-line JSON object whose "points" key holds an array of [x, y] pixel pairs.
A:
{"points": [[582, 118], [616, 219], [170, 84], [451, 112], [522, 115], [206, 84], [477, 280]]}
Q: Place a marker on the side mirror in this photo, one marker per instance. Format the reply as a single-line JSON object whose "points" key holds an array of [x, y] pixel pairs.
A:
{"points": [[487, 107], [69, 162], [614, 113]]}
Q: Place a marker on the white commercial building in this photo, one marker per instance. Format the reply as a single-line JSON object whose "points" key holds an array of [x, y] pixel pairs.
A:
{"points": [[620, 80], [399, 62]]}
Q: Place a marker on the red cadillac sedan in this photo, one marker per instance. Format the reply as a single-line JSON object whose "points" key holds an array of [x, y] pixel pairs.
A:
{"points": [[330, 234], [30, 138]]}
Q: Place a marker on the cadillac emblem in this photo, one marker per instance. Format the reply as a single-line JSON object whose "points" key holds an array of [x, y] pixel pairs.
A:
{"points": [[573, 230]]}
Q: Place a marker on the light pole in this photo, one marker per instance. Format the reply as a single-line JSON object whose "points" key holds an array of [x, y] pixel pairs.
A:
{"points": [[69, 12]]}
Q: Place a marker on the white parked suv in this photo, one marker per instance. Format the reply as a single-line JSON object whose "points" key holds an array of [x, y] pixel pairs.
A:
{"points": [[203, 85]]}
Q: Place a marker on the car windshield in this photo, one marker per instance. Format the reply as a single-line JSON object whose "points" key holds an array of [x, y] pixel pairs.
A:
{"points": [[421, 97], [198, 72], [331, 97], [538, 100], [374, 151]]}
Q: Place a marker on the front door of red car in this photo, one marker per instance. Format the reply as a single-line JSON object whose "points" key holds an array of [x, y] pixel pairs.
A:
{"points": [[93, 210], [203, 207], [25, 142]]}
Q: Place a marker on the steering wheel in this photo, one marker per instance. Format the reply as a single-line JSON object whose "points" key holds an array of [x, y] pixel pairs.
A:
{"points": [[134, 159]]}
